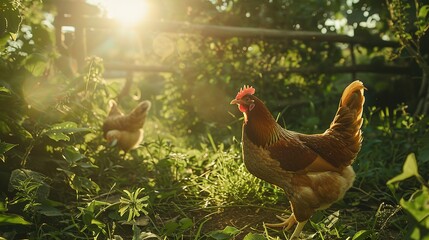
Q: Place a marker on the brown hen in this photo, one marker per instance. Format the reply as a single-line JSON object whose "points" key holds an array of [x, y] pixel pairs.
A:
{"points": [[125, 131], [314, 170]]}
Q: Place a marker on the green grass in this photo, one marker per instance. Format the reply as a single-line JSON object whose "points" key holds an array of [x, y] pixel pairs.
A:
{"points": [[74, 186], [169, 191]]}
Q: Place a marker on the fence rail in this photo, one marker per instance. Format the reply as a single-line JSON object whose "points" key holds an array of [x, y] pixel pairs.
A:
{"points": [[227, 31]]}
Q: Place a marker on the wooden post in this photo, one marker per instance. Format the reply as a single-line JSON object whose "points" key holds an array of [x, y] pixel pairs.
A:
{"points": [[80, 43]]}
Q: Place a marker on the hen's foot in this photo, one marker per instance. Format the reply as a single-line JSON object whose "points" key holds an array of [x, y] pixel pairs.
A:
{"points": [[286, 224]]}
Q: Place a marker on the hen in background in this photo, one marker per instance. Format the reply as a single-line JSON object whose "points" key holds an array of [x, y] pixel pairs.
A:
{"points": [[314, 170], [125, 131]]}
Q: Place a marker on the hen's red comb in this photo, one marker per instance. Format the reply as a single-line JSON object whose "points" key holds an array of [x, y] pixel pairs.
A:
{"points": [[244, 91]]}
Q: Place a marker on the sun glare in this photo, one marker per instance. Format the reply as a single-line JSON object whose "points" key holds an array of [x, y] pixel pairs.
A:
{"points": [[128, 12]]}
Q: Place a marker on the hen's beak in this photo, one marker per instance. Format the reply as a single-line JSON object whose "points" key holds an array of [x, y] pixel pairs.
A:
{"points": [[114, 142], [235, 101]]}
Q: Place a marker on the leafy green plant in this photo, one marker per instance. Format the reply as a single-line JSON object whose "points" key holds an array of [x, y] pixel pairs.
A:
{"points": [[90, 218], [177, 227], [417, 205], [10, 18], [132, 204], [416, 14], [77, 163], [389, 135], [31, 188], [139, 235]]}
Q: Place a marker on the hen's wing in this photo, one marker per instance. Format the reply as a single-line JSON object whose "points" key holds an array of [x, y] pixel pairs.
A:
{"points": [[330, 151], [294, 155], [341, 143]]}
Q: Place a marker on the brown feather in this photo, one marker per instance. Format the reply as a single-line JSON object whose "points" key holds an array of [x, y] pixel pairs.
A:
{"points": [[261, 128], [114, 110], [126, 140], [313, 169], [283, 145], [341, 143], [126, 129], [131, 122]]}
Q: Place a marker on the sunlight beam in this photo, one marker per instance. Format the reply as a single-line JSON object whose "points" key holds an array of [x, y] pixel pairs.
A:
{"points": [[127, 12]]}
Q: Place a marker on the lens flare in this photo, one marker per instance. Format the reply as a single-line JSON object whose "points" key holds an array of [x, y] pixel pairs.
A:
{"points": [[128, 12]]}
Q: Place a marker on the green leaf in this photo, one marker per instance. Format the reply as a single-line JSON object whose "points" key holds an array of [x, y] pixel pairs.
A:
{"points": [[136, 232], [4, 89], [36, 64], [252, 236], [4, 147], [418, 206], [96, 203], [423, 12], [227, 233], [49, 211], [148, 235], [418, 209], [409, 170], [58, 136], [98, 223], [362, 235], [82, 183], [139, 235], [231, 230], [13, 36], [185, 223], [170, 227], [60, 131], [123, 210], [12, 219], [72, 155], [410, 166]]}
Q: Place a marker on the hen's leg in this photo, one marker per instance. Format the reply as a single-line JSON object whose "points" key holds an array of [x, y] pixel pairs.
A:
{"points": [[286, 224], [298, 229]]}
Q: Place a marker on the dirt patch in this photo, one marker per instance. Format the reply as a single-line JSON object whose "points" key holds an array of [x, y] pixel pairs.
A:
{"points": [[245, 218]]}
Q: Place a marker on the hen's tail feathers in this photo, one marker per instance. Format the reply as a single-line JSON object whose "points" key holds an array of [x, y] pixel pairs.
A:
{"points": [[114, 110], [137, 116], [347, 122], [130, 122]]}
